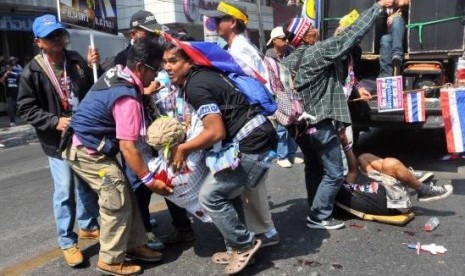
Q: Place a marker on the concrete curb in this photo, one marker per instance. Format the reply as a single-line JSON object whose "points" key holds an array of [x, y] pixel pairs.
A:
{"points": [[16, 136]]}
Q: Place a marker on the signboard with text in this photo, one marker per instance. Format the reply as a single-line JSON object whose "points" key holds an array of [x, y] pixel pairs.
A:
{"points": [[209, 29], [99, 15], [390, 94]]}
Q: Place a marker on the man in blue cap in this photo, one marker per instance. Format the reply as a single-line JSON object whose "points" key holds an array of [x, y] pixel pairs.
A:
{"points": [[50, 87]]}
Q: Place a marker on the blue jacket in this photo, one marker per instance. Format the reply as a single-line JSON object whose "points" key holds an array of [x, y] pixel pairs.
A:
{"points": [[93, 122]]}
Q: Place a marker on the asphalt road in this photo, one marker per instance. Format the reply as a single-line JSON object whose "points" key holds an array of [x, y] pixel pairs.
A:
{"points": [[28, 240]]}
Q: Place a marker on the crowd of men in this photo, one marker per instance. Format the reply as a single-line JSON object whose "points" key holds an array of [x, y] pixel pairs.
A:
{"points": [[82, 128]]}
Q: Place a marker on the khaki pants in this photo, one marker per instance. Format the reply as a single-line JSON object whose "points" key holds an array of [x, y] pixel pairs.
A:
{"points": [[256, 208], [121, 225]]}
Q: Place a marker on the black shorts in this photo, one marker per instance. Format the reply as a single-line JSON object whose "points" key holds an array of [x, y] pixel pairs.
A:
{"points": [[368, 203]]}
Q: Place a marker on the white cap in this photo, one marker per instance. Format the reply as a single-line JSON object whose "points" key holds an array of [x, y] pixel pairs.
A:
{"points": [[276, 32]]}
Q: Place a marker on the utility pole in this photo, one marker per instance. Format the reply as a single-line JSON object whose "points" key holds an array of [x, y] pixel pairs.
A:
{"points": [[261, 32]]}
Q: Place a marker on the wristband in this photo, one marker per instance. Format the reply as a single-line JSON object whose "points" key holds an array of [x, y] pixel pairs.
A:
{"points": [[347, 147], [147, 178]]}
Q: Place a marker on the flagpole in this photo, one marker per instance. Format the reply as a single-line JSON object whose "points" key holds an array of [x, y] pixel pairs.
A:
{"points": [[261, 32]]}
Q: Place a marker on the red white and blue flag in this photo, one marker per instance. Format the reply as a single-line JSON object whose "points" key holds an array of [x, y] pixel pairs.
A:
{"points": [[414, 107], [453, 112], [211, 55]]}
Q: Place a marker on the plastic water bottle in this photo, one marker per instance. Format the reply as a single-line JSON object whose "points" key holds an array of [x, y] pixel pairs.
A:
{"points": [[268, 158], [431, 224], [460, 73]]}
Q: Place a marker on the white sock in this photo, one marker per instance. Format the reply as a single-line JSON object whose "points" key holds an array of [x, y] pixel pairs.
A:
{"points": [[270, 233]]}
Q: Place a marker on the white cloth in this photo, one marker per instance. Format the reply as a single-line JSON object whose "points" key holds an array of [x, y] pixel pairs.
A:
{"points": [[186, 184], [248, 57]]}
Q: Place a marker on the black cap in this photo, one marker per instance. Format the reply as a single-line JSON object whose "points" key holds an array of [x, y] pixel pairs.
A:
{"points": [[145, 20]]}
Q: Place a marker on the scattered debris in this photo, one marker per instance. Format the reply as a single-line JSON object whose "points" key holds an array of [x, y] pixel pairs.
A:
{"points": [[337, 266], [410, 233], [356, 225], [431, 248], [308, 262]]}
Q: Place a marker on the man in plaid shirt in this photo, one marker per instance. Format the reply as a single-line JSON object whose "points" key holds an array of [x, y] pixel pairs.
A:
{"points": [[319, 81]]}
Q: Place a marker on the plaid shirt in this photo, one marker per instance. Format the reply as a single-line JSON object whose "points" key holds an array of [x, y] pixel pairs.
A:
{"points": [[319, 79]]}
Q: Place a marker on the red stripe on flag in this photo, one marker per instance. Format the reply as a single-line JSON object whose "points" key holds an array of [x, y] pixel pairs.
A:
{"points": [[445, 107], [196, 56]]}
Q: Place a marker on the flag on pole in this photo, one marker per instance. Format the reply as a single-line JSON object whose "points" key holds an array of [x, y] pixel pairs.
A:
{"points": [[311, 10], [414, 107], [453, 112]]}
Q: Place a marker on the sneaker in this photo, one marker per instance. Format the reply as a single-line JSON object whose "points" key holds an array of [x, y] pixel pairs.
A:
{"points": [[154, 242], [12, 124], [330, 223], [92, 235], [296, 160], [178, 236], [396, 60], [73, 256], [422, 176], [435, 192], [273, 240], [2, 145], [284, 163], [118, 269], [144, 253], [153, 222]]}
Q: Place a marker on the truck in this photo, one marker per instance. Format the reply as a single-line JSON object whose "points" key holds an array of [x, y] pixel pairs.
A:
{"points": [[433, 43]]}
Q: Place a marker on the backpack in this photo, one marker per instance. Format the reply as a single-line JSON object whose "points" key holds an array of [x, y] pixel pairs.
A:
{"points": [[254, 91], [289, 103]]}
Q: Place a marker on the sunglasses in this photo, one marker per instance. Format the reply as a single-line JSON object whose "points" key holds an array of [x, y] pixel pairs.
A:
{"points": [[153, 68]]}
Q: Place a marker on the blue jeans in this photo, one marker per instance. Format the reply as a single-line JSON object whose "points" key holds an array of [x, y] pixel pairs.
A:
{"points": [[323, 168], [220, 197], [11, 101], [67, 206], [287, 147], [391, 45]]}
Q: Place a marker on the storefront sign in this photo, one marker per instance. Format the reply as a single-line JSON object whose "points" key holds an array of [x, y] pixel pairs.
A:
{"points": [[16, 23], [209, 29], [192, 8], [99, 15]]}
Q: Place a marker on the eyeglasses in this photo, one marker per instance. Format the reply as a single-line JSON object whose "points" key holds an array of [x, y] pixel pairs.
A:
{"points": [[153, 68]]}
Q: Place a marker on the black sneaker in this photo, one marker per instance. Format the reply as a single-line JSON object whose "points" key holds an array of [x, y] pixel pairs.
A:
{"points": [[435, 192], [422, 176], [273, 240], [329, 223]]}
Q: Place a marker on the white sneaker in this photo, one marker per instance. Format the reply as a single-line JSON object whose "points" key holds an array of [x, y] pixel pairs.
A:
{"points": [[284, 163], [12, 124], [296, 160], [2, 145]]}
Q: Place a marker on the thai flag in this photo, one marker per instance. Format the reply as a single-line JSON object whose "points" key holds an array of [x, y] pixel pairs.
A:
{"points": [[414, 107], [209, 54], [453, 112]]}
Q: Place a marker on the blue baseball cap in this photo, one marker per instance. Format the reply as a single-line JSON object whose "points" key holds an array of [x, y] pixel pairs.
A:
{"points": [[46, 24]]}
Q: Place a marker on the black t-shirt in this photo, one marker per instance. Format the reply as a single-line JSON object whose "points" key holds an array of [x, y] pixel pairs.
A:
{"points": [[206, 90]]}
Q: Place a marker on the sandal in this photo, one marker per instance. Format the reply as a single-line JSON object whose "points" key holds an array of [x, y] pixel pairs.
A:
{"points": [[225, 257], [241, 258], [222, 257]]}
